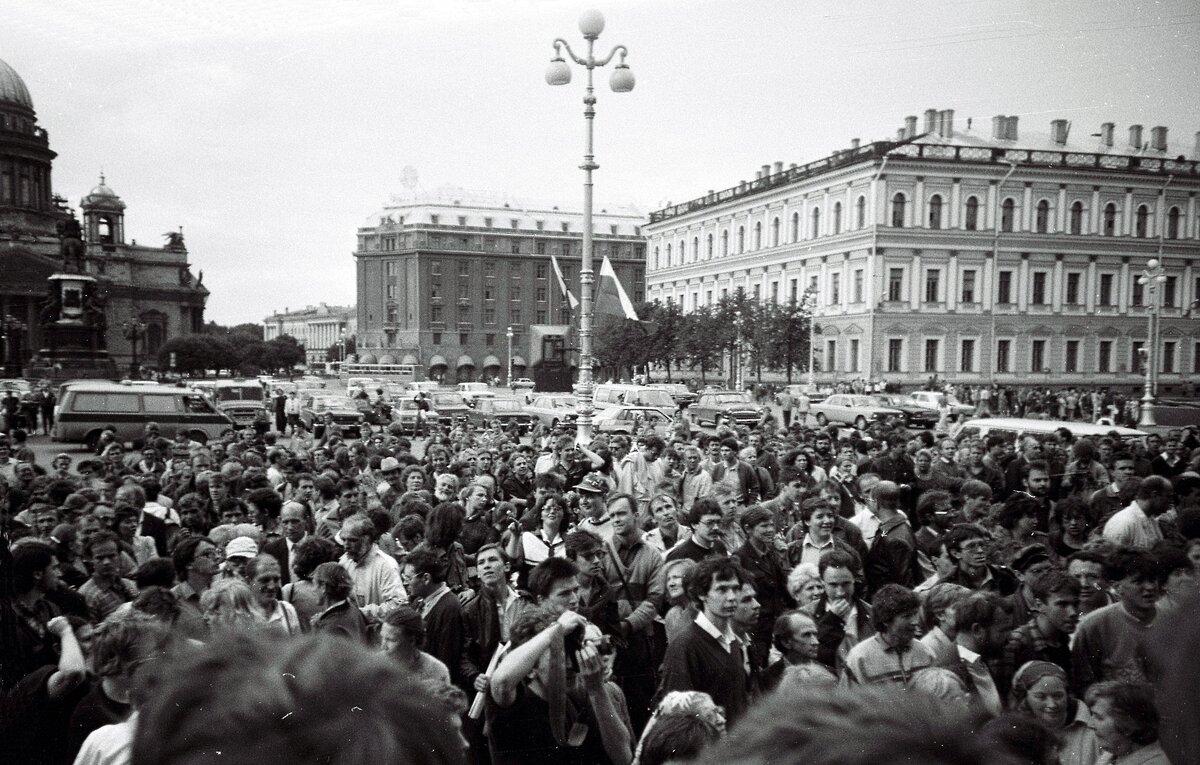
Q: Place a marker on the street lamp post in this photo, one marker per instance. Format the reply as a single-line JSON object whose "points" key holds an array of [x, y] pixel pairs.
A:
{"points": [[133, 329], [342, 358], [1151, 277], [509, 334], [813, 331], [591, 24]]}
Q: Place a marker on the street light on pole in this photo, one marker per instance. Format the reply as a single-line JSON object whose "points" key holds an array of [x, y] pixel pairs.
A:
{"points": [[591, 24], [509, 334], [1151, 277]]}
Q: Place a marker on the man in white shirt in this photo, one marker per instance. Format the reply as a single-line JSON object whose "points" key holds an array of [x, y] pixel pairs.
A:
{"points": [[378, 589], [1136, 525]]}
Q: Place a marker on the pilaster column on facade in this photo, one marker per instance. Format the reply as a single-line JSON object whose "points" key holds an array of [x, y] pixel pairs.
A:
{"points": [[1191, 226], [879, 202], [1023, 284], [1127, 214], [987, 284], [1092, 286], [990, 213], [1060, 217], [1094, 219], [805, 227], [952, 282], [915, 282], [826, 215], [1125, 294], [1027, 207], [1057, 288], [823, 284], [918, 205], [1188, 288], [848, 220], [955, 202]]}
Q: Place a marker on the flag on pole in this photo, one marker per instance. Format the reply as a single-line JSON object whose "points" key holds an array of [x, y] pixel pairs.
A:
{"points": [[562, 284], [611, 298]]}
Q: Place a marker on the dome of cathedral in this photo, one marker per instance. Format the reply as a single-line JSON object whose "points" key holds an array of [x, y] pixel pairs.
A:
{"points": [[12, 88]]}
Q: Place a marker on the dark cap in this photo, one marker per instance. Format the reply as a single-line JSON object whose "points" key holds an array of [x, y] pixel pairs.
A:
{"points": [[1029, 555]]}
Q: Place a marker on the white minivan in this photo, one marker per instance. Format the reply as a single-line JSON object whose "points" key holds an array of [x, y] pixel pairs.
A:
{"points": [[619, 394]]}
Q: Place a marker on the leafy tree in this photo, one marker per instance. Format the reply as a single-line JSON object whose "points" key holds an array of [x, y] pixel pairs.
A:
{"points": [[664, 325], [254, 331], [196, 354], [619, 344], [697, 340], [786, 334]]}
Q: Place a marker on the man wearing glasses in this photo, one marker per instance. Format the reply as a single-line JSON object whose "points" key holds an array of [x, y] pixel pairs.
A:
{"points": [[969, 544], [707, 533], [197, 561]]}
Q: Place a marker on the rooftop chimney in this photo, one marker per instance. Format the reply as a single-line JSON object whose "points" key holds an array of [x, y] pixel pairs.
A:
{"points": [[946, 120], [1058, 131], [855, 143], [931, 116], [766, 170], [1135, 136], [1158, 138], [1106, 133], [779, 167], [910, 126], [1010, 128], [758, 174], [998, 123], [901, 134], [793, 166]]}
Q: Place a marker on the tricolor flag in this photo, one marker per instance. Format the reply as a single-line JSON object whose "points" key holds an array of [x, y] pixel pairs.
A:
{"points": [[611, 299], [562, 284]]}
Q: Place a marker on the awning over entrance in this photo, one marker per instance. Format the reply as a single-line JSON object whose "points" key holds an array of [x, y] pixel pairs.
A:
{"points": [[465, 361], [437, 361], [491, 361]]}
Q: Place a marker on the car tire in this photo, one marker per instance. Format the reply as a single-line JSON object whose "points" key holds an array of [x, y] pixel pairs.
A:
{"points": [[822, 420], [860, 422]]}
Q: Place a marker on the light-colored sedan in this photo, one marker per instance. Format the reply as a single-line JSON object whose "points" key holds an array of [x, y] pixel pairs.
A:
{"points": [[404, 412], [552, 409], [849, 409], [633, 420]]}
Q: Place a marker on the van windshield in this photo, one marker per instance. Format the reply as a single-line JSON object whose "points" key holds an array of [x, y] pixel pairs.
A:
{"points": [[240, 393]]}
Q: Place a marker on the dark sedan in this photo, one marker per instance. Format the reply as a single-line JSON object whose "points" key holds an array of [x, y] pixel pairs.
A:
{"points": [[499, 411], [915, 415], [723, 407]]}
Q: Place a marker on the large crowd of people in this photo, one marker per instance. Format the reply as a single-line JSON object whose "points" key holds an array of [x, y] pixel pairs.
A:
{"points": [[777, 594]]}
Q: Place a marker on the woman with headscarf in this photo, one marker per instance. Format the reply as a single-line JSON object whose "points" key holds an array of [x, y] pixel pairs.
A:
{"points": [[1040, 690]]}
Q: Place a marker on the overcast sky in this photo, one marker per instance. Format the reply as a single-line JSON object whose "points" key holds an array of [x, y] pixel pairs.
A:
{"points": [[270, 130]]}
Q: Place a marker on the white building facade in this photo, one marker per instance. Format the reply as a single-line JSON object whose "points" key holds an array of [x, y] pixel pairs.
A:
{"points": [[973, 255], [315, 327]]}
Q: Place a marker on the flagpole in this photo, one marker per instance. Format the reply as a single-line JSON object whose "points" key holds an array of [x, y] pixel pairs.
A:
{"points": [[591, 24]]}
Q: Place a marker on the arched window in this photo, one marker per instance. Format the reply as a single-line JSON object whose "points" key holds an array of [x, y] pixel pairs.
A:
{"points": [[1141, 222], [725, 242], [837, 218], [154, 338], [935, 211], [1110, 219], [816, 222], [741, 242], [972, 221], [898, 202], [1042, 224], [1173, 223], [656, 257], [775, 232], [1006, 214], [695, 248], [682, 251], [669, 261], [860, 212], [795, 227], [758, 235], [1077, 218], [709, 247]]}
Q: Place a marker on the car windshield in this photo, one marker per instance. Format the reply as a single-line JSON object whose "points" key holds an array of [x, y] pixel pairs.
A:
{"points": [[506, 405], [863, 401], [897, 400], [239, 393], [334, 402], [448, 399], [474, 386], [732, 398]]}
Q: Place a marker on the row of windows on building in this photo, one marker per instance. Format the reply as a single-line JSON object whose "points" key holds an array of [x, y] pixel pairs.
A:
{"points": [[435, 219], [1042, 224], [513, 246], [968, 289], [1036, 362]]}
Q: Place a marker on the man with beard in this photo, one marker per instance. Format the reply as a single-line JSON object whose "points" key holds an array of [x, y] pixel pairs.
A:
{"points": [[892, 655], [378, 588], [983, 622]]}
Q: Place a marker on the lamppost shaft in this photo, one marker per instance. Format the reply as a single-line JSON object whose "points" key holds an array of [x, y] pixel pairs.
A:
{"points": [[587, 276]]}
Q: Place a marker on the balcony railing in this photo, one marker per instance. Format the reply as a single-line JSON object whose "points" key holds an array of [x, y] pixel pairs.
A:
{"points": [[935, 152]]}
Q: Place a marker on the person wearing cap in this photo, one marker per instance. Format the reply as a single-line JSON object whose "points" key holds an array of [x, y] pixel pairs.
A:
{"points": [[592, 491], [1029, 563], [238, 553], [392, 486], [60, 466]]}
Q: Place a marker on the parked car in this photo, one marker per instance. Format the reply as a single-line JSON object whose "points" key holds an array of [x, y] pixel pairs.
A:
{"points": [[682, 395], [723, 406], [473, 391], [499, 411], [243, 400], [986, 426], [346, 416], [631, 420], [815, 393], [915, 415], [404, 412], [450, 404], [87, 407], [935, 400], [849, 409], [552, 410]]}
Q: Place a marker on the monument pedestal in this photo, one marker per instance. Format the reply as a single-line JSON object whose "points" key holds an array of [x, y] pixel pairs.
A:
{"points": [[74, 327]]}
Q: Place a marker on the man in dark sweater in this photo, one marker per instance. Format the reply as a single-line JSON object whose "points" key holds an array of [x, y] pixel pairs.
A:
{"points": [[707, 656], [707, 533], [424, 576], [893, 553]]}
